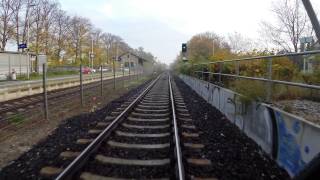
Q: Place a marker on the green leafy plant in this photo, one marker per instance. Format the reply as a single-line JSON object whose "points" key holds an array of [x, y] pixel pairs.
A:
{"points": [[16, 119]]}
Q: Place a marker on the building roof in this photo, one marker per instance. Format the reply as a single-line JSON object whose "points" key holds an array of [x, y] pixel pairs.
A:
{"points": [[133, 54]]}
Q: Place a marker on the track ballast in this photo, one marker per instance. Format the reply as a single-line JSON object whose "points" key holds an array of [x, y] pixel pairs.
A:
{"points": [[141, 140]]}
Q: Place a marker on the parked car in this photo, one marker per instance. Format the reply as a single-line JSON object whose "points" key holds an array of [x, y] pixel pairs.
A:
{"points": [[103, 69], [86, 70], [93, 70]]}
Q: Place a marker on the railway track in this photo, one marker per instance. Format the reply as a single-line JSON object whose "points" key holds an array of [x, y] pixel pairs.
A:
{"points": [[151, 136], [30, 101]]}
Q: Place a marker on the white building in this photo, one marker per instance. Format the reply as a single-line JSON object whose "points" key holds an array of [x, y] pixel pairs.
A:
{"points": [[134, 63]]}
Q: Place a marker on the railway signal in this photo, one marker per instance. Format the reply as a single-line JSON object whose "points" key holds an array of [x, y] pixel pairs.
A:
{"points": [[184, 52], [184, 47]]}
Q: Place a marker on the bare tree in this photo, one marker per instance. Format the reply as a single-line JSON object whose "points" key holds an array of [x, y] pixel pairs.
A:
{"points": [[80, 29], [16, 8], [60, 32], [240, 44], [53, 32], [6, 14], [49, 10], [292, 24]]}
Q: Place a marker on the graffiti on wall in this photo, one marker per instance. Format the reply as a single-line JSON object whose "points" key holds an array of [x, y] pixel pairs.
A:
{"points": [[296, 143], [289, 153]]}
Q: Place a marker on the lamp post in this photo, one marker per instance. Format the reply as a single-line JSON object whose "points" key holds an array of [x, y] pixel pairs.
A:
{"points": [[91, 54]]}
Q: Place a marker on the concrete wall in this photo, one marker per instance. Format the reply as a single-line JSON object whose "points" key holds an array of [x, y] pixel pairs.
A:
{"points": [[27, 88], [9, 61], [290, 140]]}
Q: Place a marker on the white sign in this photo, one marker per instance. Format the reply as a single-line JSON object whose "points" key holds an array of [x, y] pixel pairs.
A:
{"points": [[42, 59], [306, 39]]}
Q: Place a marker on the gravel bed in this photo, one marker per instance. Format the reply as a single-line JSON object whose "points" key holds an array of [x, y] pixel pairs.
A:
{"points": [[232, 153], [309, 110], [46, 152], [138, 172]]}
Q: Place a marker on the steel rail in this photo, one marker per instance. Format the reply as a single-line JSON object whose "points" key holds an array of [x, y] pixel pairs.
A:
{"points": [[178, 153], [79, 161], [302, 85]]}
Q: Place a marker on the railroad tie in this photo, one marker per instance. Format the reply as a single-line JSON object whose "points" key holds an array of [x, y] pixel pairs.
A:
{"points": [[152, 107], [131, 162], [159, 135], [199, 162], [147, 120], [91, 176], [152, 110], [149, 115], [181, 106], [193, 146], [138, 146], [201, 178], [182, 110], [184, 114], [190, 135], [50, 171], [84, 141], [145, 127], [180, 103], [185, 119], [109, 118], [188, 126], [115, 113], [95, 131], [69, 154], [102, 124]]}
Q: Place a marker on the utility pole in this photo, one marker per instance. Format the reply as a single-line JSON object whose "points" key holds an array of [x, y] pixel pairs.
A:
{"points": [[212, 47], [114, 67], [28, 40], [313, 17], [91, 54], [129, 67]]}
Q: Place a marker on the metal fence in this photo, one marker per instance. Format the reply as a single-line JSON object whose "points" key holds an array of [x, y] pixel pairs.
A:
{"points": [[80, 91], [216, 71]]}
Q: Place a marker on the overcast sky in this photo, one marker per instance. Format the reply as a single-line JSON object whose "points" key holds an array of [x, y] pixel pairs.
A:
{"points": [[160, 26]]}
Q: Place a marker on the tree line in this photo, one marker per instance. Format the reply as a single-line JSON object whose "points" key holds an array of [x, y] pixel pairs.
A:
{"points": [[62, 37], [282, 35]]}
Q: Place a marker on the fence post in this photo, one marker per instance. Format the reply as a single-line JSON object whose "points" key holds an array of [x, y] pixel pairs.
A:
{"points": [[20, 64], [9, 73], [129, 71], [101, 80], [238, 68], [114, 75], [45, 97], [123, 78], [81, 86], [192, 70], [220, 71], [269, 83], [209, 72], [137, 72], [202, 69]]}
